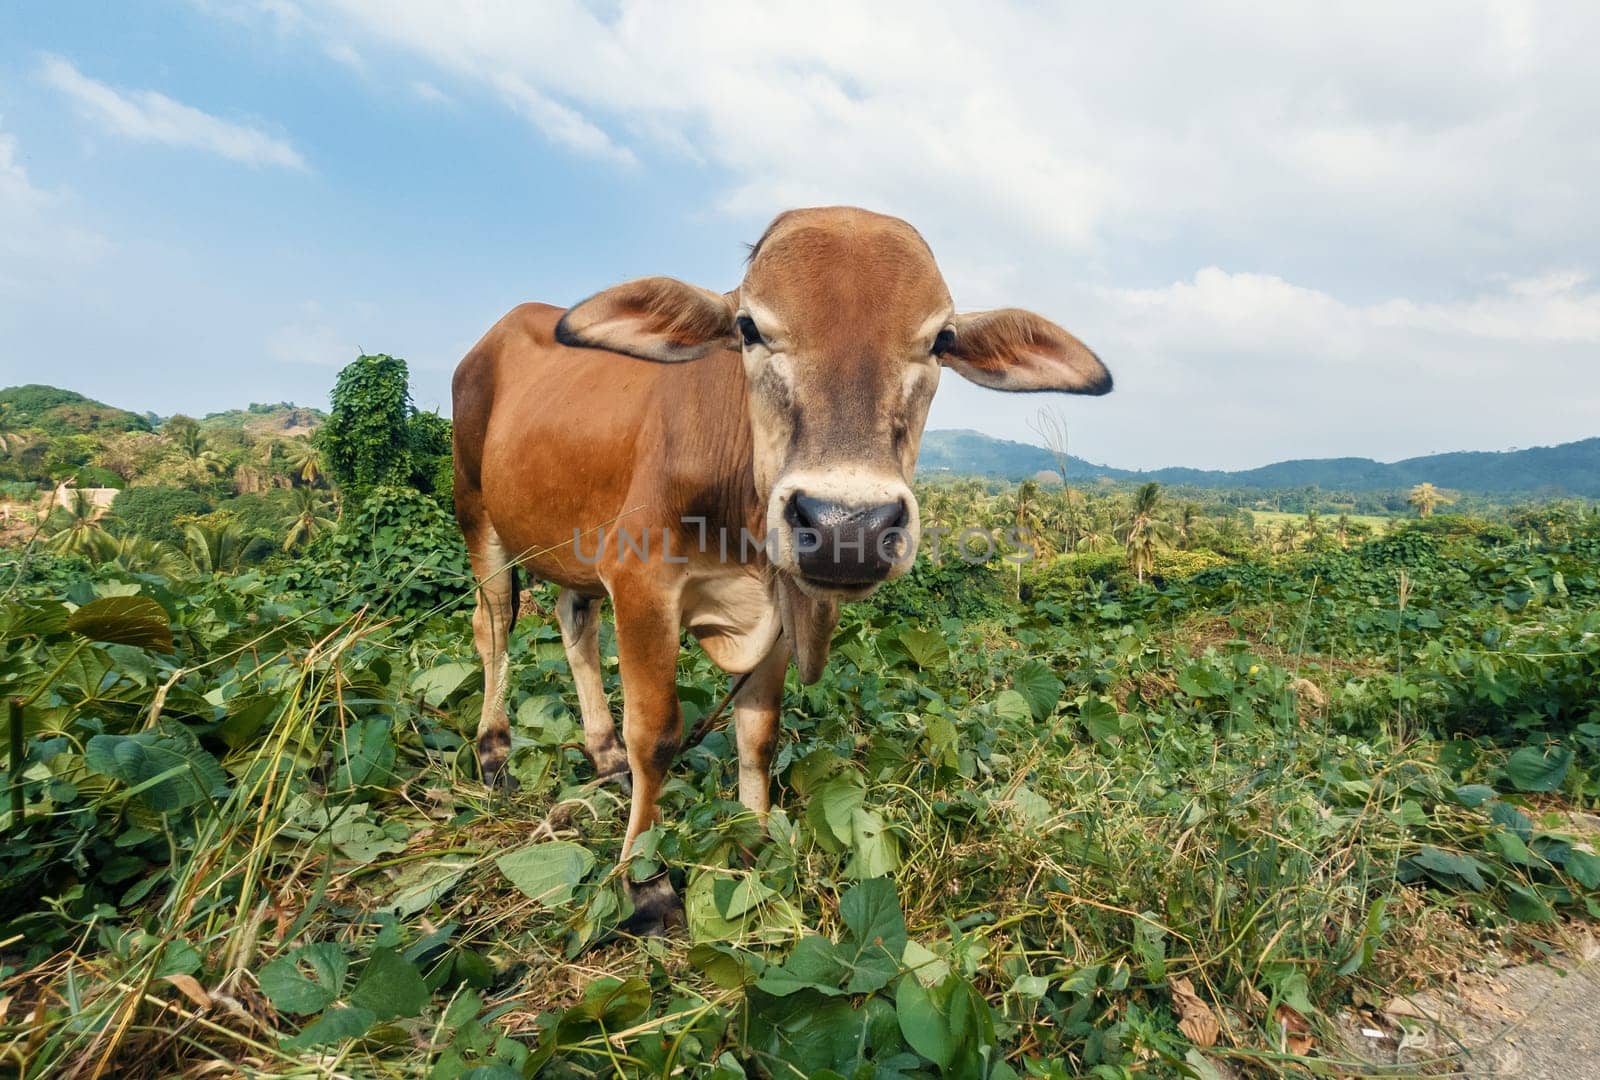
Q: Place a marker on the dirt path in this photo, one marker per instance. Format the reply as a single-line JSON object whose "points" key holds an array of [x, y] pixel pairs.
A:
{"points": [[1535, 1021]]}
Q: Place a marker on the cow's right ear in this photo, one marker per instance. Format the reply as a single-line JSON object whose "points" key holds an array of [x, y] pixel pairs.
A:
{"points": [[655, 318]]}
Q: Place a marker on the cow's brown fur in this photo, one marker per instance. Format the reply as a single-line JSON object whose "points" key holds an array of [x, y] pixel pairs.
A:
{"points": [[561, 429]]}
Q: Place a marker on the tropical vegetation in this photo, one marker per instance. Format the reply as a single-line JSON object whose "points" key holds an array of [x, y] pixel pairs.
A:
{"points": [[1169, 787]]}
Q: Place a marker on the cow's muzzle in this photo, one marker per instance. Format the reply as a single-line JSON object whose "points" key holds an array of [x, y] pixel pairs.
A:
{"points": [[846, 547]]}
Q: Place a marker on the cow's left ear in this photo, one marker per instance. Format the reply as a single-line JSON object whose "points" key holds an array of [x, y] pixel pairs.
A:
{"points": [[654, 318], [1012, 349]]}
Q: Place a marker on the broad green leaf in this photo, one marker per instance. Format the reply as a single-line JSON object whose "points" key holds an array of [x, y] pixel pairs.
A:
{"points": [[1100, 717], [305, 980], [949, 1024], [1534, 769], [831, 811], [1526, 905], [165, 768], [1010, 705], [877, 934], [927, 648], [876, 850], [1033, 808], [1040, 686], [335, 1025], [614, 1002], [124, 620], [729, 968], [722, 908], [815, 964], [547, 872], [421, 884], [366, 754], [32, 618], [1584, 868], [808, 1033], [927, 966], [390, 987], [439, 682], [1450, 868], [1473, 796]]}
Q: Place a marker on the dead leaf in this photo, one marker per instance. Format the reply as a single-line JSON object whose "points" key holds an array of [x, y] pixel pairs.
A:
{"points": [[1403, 1006], [1195, 1018], [191, 989], [1294, 1030]]}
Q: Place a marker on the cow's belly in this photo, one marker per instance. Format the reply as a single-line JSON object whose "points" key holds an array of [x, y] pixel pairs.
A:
{"points": [[734, 618]]}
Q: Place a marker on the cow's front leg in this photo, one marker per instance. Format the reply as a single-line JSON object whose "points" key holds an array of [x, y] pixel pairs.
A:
{"points": [[756, 710], [647, 651]]}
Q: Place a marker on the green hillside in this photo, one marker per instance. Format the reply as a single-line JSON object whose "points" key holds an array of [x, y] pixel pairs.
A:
{"points": [[1567, 469], [283, 419], [54, 411]]}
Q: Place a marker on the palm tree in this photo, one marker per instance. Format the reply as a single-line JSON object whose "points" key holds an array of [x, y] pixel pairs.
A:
{"points": [[82, 530], [184, 433], [1143, 532], [137, 555], [1287, 532], [1341, 530], [1426, 498], [1188, 519], [305, 461], [306, 521], [214, 549]]}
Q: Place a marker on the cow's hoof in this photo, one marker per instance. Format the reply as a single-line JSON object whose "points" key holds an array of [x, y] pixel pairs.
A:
{"points": [[621, 778], [496, 776], [494, 751], [611, 767], [657, 911]]}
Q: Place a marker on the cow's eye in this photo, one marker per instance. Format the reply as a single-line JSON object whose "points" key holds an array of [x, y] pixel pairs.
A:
{"points": [[748, 331], [944, 342]]}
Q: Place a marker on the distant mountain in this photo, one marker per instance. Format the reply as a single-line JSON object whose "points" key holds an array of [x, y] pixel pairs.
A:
{"points": [[1567, 469], [62, 412]]}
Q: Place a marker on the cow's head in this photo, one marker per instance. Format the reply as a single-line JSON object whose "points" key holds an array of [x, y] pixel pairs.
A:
{"points": [[844, 321]]}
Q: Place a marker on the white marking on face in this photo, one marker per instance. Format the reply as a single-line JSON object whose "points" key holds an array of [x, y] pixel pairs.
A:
{"points": [[931, 326], [920, 377]]}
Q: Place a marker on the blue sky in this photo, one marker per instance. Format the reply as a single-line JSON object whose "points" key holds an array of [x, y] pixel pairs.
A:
{"points": [[1295, 235]]}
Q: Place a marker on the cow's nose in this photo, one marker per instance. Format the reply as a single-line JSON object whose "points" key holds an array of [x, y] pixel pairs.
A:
{"points": [[840, 544]]}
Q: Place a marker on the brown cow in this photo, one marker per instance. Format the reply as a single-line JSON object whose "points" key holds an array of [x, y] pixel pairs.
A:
{"points": [[740, 485]]}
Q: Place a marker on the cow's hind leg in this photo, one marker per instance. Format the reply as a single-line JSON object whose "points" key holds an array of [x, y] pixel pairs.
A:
{"points": [[579, 617], [491, 634]]}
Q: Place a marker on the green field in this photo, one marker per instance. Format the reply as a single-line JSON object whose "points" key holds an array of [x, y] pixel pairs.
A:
{"points": [[1377, 523], [1147, 808]]}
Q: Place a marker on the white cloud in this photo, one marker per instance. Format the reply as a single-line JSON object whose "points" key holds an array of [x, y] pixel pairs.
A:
{"points": [[1402, 195], [149, 116], [559, 123], [34, 234], [341, 53], [429, 92]]}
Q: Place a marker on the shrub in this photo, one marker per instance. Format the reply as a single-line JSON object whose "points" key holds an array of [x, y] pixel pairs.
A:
{"points": [[154, 512], [398, 553]]}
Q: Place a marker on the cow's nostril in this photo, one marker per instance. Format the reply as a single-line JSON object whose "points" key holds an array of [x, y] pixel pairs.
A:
{"points": [[886, 516], [806, 512], [801, 512]]}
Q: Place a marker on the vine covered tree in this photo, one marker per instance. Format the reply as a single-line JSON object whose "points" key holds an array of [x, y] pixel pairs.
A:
{"points": [[367, 439]]}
